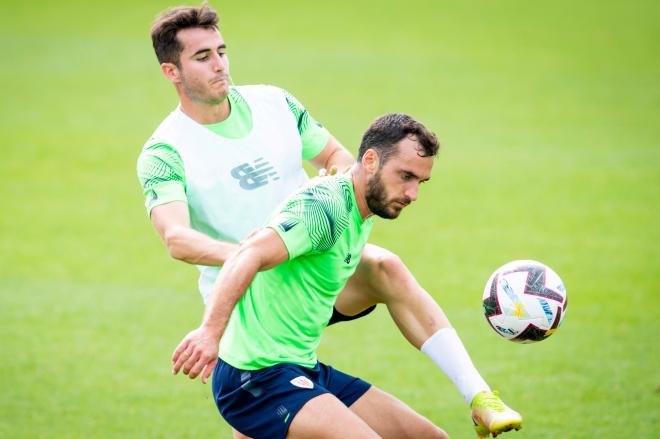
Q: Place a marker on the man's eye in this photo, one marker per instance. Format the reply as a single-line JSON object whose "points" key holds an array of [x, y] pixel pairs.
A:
{"points": [[222, 54], [202, 58]]}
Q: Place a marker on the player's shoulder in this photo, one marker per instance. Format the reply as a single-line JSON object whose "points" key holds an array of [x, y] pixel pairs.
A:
{"points": [[155, 144], [157, 150], [272, 92], [325, 207], [260, 89], [163, 131], [333, 193]]}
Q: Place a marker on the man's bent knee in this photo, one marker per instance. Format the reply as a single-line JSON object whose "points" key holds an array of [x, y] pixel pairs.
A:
{"points": [[388, 264], [386, 274]]}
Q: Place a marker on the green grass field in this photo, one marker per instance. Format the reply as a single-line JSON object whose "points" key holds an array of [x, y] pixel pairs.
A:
{"points": [[549, 115]]}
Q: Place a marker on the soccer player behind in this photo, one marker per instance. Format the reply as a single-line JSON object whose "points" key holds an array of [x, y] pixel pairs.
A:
{"points": [[228, 155]]}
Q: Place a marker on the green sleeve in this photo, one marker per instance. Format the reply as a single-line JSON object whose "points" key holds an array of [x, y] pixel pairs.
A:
{"points": [[313, 135], [162, 176], [293, 233], [313, 220]]}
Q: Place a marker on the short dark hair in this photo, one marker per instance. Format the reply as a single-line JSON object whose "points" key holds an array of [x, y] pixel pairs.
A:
{"points": [[164, 30], [388, 130]]}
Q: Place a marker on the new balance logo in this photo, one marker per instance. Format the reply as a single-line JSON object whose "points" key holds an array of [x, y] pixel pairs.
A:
{"points": [[347, 259], [251, 177]]}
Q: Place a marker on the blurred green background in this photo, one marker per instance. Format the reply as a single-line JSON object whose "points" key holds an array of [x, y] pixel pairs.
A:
{"points": [[549, 115]]}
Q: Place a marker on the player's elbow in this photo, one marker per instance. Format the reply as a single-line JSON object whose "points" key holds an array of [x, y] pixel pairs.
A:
{"points": [[177, 253], [175, 244]]}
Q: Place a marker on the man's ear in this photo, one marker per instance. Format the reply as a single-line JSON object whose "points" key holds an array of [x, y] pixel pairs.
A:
{"points": [[371, 161], [171, 72]]}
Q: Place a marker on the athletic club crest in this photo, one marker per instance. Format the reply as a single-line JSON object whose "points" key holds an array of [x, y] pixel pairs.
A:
{"points": [[302, 382]]}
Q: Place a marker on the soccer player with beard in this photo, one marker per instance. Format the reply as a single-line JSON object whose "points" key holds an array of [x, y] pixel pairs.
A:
{"points": [[219, 164], [275, 295]]}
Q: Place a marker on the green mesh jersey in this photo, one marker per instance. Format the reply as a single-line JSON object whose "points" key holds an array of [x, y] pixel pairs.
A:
{"points": [[160, 168], [284, 311]]}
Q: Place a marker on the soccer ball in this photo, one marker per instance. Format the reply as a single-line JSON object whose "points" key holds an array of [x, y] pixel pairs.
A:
{"points": [[524, 301]]}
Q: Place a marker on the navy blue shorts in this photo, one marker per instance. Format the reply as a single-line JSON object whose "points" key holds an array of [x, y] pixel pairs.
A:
{"points": [[262, 403]]}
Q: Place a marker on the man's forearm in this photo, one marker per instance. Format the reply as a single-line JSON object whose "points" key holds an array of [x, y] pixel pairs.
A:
{"points": [[231, 284], [333, 155], [341, 159], [198, 351], [193, 247]]}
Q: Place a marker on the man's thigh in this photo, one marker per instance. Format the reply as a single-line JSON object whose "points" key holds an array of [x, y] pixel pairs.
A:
{"points": [[391, 418], [326, 417]]}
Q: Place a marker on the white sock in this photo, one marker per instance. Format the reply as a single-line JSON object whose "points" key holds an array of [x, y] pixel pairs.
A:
{"points": [[448, 353]]}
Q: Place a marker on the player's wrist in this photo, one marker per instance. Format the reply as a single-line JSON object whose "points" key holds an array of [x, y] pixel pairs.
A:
{"points": [[213, 329]]}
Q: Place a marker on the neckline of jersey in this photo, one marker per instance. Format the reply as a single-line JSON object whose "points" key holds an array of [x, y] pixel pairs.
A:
{"points": [[239, 122]]}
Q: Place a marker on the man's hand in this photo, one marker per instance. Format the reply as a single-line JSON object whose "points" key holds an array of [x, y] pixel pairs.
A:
{"points": [[323, 172], [197, 352], [328, 173]]}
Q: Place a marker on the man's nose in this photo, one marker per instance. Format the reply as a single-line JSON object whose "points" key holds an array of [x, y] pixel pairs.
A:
{"points": [[219, 63], [411, 192]]}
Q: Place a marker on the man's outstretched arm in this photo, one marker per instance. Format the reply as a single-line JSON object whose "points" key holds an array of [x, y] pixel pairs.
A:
{"points": [[198, 351], [163, 179], [172, 220]]}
